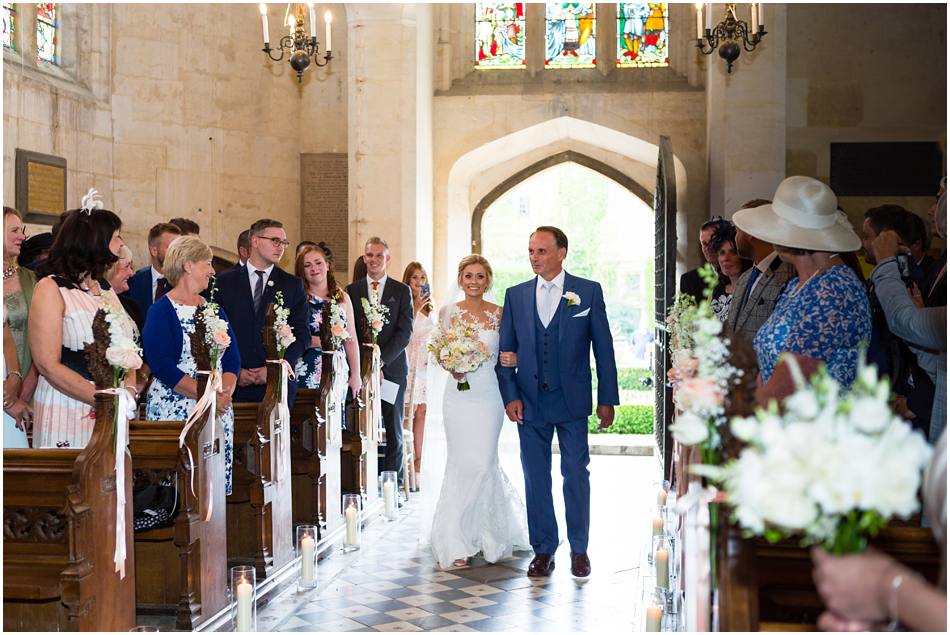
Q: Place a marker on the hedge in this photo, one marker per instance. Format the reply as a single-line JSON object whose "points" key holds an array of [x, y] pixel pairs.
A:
{"points": [[628, 420], [629, 378]]}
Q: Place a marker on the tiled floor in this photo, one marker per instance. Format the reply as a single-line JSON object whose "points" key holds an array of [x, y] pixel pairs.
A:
{"points": [[394, 584]]}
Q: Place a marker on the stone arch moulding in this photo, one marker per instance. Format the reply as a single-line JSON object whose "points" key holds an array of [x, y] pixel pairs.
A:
{"points": [[519, 150], [567, 156]]}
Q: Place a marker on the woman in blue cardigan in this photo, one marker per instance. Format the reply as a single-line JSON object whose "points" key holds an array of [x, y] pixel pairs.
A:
{"points": [[174, 390]]}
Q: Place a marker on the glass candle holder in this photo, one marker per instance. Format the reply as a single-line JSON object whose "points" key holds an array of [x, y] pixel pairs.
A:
{"points": [[661, 561], [243, 599], [307, 550], [144, 629], [653, 613], [389, 483], [352, 508]]}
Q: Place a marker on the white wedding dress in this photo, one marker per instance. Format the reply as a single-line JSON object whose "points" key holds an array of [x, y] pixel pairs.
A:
{"points": [[478, 509]]}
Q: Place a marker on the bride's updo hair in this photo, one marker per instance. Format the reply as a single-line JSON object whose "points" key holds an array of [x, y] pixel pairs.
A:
{"points": [[476, 259]]}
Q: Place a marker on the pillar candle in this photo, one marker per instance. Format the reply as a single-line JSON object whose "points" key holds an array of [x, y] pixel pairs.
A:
{"points": [[761, 10], [244, 600], [328, 17], [658, 525], [313, 20], [662, 560], [754, 25], [352, 526], [306, 558], [709, 16], [263, 9], [699, 20], [654, 618], [389, 498], [661, 498]]}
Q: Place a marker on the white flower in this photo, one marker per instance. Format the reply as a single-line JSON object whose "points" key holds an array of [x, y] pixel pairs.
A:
{"points": [[745, 428], [870, 415], [803, 404], [572, 298], [689, 429]]}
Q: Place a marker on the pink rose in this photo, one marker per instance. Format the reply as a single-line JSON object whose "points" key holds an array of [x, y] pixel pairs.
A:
{"points": [[377, 325], [698, 394], [337, 330], [221, 338], [284, 331], [123, 358]]}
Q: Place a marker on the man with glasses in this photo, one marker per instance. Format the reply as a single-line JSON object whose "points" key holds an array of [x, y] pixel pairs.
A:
{"points": [[244, 293]]}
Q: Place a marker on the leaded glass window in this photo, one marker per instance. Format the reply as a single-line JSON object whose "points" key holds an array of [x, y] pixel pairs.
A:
{"points": [[9, 26], [643, 30], [570, 29], [47, 32], [499, 35]]}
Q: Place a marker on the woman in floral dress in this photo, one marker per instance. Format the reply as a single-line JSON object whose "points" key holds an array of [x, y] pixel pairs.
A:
{"points": [[170, 322]]}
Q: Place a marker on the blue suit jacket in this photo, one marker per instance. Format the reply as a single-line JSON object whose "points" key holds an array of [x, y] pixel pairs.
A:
{"points": [[235, 297], [140, 289], [581, 327]]}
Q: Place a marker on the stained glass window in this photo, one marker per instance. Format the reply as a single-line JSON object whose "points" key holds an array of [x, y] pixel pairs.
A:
{"points": [[499, 35], [569, 35], [47, 32], [9, 25], [643, 30]]}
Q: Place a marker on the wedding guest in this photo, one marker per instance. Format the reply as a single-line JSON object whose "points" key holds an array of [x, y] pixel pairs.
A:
{"points": [[118, 276], [303, 244], [18, 285], [149, 283], [822, 316], [757, 289], [417, 280], [245, 292], [919, 247], [871, 591], [935, 287], [690, 282], [60, 325], [17, 413], [34, 250], [187, 226], [243, 247], [315, 267], [392, 340], [167, 342], [731, 266], [359, 269]]}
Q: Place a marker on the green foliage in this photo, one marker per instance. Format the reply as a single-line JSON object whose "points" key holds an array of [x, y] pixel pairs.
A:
{"points": [[628, 378], [628, 420]]}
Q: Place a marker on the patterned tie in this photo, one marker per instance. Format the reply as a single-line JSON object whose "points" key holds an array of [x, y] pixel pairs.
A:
{"points": [[258, 290], [376, 290], [161, 288]]}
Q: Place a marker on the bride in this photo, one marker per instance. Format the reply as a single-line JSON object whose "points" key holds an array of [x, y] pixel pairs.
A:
{"points": [[478, 509]]}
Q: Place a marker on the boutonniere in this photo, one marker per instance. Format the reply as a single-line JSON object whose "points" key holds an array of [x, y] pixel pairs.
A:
{"points": [[270, 283], [572, 298]]}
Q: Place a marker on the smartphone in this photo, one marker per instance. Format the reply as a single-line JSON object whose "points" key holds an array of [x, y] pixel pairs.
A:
{"points": [[903, 266], [424, 290]]}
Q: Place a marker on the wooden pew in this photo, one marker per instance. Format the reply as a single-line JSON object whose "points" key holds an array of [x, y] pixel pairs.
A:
{"points": [[766, 586], [59, 524], [183, 567], [358, 456], [260, 513]]}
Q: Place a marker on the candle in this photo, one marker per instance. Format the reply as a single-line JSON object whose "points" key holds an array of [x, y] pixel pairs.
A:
{"points": [[661, 498], [306, 558], [658, 526], [328, 18], [654, 618], [352, 526], [291, 24], [313, 21], [761, 11], [263, 9], [709, 16], [754, 25], [699, 20], [389, 498], [662, 560], [245, 598]]}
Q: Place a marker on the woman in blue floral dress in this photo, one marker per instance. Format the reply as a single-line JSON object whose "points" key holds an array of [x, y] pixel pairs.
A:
{"points": [[823, 315], [170, 322], [315, 267]]}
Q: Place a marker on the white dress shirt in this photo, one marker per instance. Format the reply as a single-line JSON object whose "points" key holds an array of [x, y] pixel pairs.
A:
{"points": [[763, 266], [547, 297], [379, 289], [156, 276], [252, 276]]}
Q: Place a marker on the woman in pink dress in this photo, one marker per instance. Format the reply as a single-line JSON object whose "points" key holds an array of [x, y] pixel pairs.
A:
{"points": [[422, 325]]}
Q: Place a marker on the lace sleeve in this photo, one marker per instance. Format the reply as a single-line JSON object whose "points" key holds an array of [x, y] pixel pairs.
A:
{"points": [[445, 315]]}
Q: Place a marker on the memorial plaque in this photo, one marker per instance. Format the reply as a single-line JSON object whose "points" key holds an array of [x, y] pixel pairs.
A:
{"points": [[40, 186]]}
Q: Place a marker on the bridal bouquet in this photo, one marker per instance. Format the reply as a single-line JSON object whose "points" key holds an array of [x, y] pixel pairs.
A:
{"points": [[832, 469], [458, 349], [377, 315]]}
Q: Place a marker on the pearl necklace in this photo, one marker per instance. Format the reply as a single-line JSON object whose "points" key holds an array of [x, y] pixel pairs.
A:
{"points": [[812, 276]]}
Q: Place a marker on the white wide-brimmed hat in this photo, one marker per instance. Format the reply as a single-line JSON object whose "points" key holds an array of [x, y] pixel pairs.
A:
{"points": [[803, 214]]}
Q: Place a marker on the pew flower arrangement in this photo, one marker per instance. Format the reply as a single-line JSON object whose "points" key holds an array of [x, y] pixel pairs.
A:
{"points": [[377, 315], [285, 334], [216, 328], [338, 332], [458, 349], [122, 352], [832, 469]]}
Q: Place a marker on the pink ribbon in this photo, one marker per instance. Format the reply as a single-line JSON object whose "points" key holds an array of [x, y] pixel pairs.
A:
{"points": [[207, 403], [124, 410]]}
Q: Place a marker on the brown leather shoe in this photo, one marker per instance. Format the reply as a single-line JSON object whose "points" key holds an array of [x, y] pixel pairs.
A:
{"points": [[541, 566], [580, 565]]}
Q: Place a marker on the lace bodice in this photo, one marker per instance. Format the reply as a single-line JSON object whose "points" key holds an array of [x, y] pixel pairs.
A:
{"points": [[488, 323]]}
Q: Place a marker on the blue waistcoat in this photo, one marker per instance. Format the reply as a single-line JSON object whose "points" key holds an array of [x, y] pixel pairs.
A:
{"points": [[546, 345]]}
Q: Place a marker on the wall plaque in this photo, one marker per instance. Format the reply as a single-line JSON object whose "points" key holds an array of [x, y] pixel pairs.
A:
{"points": [[40, 186]]}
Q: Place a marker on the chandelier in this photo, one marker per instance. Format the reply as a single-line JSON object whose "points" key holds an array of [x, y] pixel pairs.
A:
{"points": [[730, 31], [301, 48]]}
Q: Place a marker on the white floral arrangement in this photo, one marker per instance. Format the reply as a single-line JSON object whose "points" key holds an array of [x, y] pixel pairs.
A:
{"points": [[458, 349], [572, 298], [285, 334], [833, 469], [338, 331], [123, 354], [377, 315], [216, 329]]}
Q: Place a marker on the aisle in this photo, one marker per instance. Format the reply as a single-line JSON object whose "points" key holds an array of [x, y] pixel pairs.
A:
{"points": [[393, 583]]}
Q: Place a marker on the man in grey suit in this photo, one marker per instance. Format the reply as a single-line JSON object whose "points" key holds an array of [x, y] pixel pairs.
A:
{"points": [[759, 287]]}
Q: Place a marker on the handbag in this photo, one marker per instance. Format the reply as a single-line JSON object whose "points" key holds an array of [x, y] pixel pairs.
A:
{"points": [[154, 505]]}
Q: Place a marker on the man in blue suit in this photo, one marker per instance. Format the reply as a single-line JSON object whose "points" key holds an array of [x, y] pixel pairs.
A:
{"points": [[244, 293], [148, 284], [551, 322]]}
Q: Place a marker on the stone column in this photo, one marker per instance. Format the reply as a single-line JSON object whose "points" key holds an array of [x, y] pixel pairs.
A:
{"points": [[746, 117]]}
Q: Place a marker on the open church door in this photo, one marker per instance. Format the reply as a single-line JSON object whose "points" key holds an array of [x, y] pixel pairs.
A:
{"points": [[664, 209]]}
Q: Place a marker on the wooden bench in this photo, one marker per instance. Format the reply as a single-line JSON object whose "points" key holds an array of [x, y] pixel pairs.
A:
{"points": [[183, 568], [59, 525], [359, 465], [260, 514]]}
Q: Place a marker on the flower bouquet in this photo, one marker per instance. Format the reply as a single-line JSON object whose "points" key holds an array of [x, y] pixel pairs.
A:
{"points": [[832, 469], [377, 316], [338, 332], [285, 334], [458, 349]]}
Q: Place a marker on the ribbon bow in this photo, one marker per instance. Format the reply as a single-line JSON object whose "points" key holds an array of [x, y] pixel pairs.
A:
{"points": [[124, 410], [334, 402]]}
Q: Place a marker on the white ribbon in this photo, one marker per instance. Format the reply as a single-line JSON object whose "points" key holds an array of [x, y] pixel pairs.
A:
{"points": [[124, 410], [375, 398], [695, 540], [280, 415], [207, 403], [334, 415]]}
